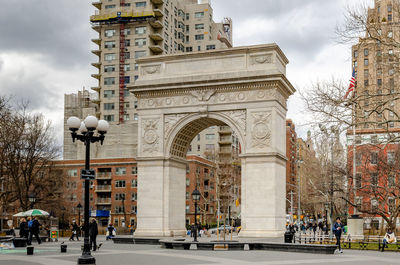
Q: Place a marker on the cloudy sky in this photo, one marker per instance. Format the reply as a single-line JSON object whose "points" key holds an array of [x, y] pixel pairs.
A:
{"points": [[45, 45]]}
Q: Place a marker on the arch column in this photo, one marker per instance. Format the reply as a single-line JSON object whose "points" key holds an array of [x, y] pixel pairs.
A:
{"points": [[161, 197], [263, 195]]}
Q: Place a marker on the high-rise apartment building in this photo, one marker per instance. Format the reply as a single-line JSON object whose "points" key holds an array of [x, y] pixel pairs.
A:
{"points": [[131, 29], [127, 31]]}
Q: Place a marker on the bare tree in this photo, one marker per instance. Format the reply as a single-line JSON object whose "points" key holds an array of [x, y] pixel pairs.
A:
{"points": [[27, 152]]}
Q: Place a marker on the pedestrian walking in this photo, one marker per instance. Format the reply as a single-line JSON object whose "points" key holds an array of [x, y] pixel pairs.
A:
{"points": [[23, 228], [338, 230], [74, 231], [93, 232], [34, 229]]}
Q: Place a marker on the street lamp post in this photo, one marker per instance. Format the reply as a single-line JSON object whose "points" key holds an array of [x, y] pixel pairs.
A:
{"points": [[32, 199], [87, 129], [79, 206], [196, 197]]}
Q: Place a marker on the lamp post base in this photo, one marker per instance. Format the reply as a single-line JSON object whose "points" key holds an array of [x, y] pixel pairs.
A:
{"points": [[86, 259]]}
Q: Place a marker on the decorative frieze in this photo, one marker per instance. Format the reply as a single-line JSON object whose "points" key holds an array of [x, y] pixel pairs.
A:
{"points": [[150, 136], [261, 129]]}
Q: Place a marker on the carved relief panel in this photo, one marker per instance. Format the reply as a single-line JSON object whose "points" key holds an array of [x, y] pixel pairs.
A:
{"points": [[260, 129], [150, 136]]}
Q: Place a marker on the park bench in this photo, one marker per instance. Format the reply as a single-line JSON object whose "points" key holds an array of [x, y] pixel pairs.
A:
{"points": [[380, 244]]}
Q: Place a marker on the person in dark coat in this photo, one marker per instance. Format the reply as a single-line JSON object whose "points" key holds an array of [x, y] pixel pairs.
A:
{"points": [[75, 231], [34, 230], [93, 232], [338, 230], [23, 228]]}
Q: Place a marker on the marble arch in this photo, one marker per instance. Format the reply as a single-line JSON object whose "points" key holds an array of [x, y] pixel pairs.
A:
{"points": [[179, 96]]}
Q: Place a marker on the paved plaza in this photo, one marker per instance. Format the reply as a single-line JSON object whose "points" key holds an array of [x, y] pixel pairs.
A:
{"points": [[120, 254]]}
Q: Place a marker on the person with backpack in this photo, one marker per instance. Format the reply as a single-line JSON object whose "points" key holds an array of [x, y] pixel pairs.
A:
{"points": [[34, 228]]}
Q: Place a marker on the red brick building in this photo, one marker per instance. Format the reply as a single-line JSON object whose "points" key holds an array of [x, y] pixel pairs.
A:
{"points": [[376, 176], [291, 172], [113, 194]]}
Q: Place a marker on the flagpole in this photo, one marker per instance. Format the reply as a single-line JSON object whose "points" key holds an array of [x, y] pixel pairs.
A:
{"points": [[354, 155]]}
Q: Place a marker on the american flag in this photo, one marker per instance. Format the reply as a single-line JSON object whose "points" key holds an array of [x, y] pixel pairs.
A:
{"points": [[352, 85]]}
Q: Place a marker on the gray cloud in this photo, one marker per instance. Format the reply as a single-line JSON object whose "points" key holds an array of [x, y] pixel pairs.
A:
{"points": [[1, 63], [58, 30]]}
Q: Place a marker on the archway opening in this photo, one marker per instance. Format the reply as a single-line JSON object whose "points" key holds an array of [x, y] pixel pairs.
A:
{"points": [[211, 148]]}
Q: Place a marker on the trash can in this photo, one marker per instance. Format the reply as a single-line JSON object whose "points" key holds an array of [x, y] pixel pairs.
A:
{"points": [[29, 250], [288, 237], [63, 248]]}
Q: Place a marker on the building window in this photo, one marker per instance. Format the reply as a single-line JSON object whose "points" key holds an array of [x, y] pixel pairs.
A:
{"points": [[199, 26], [126, 117], [390, 34], [358, 181], [210, 47], [199, 14], [139, 54], [134, 183], [127, 43], [120, 171], [134, 209], [210, 136], [210, 147], [109, 93], [374, 158], [140, 42], [109, 81], [366, 62], [355, 54], [366, 52], [140, 4], [187, 209], [109, 32], [109, 56], [135, 117], [72, 173], [109, 44], [108, 106], [109, 68], [126, 93], [366, 73], [109, 117], [187, 182], [189, 49], [198, 147], [140, 30], [127, 55], [109, 6], [134, 196], [390, 18], [120, 184], [127, 67], [134, 170], [187, 196], [199, 37], [120, 196], [127, 79], [379, 82]]}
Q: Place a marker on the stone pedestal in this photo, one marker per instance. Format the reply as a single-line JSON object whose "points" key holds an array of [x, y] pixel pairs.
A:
{"points": [[355, 226]]}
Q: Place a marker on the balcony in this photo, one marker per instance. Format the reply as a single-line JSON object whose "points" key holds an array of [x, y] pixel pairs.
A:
{"points": [[97, 41], [97, 76], [103, 188], [103, 201], [157, 2], [96, 28], [156, 24], [156, 37], [96, 52], [156, 48], [158, 12], [97, 65], [97, 89], [97, 4], [103, 175]]}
